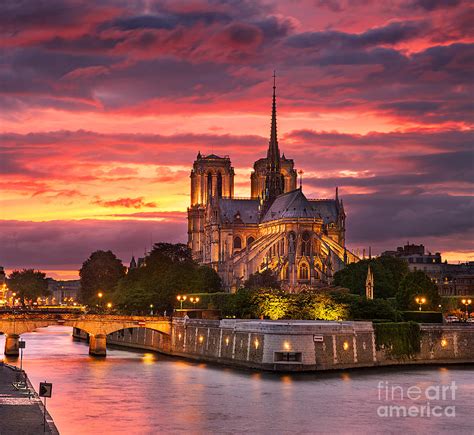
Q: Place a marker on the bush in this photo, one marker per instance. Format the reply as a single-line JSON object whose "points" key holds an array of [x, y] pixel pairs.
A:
{"points": [[423, 316], [361, 308], [399, 339]]}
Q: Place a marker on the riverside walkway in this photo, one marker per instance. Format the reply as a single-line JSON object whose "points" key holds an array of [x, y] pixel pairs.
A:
{"points": [[21, 412]]}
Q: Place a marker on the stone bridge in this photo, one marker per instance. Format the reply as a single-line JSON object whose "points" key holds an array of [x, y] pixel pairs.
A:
{"points": [[97, 326]]}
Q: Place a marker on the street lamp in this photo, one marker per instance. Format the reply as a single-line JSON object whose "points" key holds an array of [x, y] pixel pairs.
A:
{"points": [[466, 303], [151, 309], [194, 300], [420, 301], [100, 294], [109, 305], [181, 299]]}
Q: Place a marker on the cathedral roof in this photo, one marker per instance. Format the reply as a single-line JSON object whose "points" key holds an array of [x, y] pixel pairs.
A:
{"points": [[214, 156], [239, 210], [290, 205], [294, 204], [326, 208]]}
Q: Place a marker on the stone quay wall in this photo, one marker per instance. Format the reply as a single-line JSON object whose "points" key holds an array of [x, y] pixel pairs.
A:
{"points": [[293, 345]]}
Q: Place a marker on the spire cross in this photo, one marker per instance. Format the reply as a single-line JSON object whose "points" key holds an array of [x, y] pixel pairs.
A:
{"points": [[301, 177], [274, 79]]}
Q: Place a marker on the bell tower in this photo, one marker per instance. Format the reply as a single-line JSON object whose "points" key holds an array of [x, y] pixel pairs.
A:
{"points": [[212, 177]]}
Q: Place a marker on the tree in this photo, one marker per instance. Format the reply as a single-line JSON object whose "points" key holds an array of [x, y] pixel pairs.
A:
{"points": [[100, 273], [324, 307], [271, 303], [388, 273], [417, 284], [361, 308], [265, 279], [307, 305], [28, 284], [169, 270]]}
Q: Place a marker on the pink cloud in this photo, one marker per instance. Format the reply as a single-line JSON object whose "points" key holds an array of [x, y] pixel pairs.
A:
{"points": [[125, 203]]}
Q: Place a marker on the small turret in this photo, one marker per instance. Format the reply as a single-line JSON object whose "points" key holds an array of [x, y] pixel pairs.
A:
{"points": [[369, 284]]}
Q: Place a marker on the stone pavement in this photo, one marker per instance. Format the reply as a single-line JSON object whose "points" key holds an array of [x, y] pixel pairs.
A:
{"points": [[21, 412]]}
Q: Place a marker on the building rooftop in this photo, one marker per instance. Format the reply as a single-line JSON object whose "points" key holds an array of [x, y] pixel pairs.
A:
{"points": [[294, 204], [235, 210]]}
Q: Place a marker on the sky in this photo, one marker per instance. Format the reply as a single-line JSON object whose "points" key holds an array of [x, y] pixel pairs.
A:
{"points": [[104, 106]]}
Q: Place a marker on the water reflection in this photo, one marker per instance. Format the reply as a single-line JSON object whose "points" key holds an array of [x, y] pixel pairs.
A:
{"points": [[145, 393]]}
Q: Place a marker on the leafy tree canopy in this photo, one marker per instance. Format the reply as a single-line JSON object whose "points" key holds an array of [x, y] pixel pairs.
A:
{"points": [[361, 308], [417, 284], [388, 273], [28, 284], [100, 273], [169, 270]]}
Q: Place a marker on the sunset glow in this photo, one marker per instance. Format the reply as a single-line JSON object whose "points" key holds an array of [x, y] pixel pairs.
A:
{"points": [[105, 105]]}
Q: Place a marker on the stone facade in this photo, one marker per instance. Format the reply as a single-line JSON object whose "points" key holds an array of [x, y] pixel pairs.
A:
{"points": [[277, 228], [295, 345]]}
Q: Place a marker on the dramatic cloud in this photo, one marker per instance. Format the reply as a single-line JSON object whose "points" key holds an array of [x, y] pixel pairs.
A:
{"points": [[105, 105], [125, 203], [67, 244]]}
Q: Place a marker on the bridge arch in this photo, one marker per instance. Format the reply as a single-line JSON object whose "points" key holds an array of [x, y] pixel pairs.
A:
{"points": [[96, 326]]}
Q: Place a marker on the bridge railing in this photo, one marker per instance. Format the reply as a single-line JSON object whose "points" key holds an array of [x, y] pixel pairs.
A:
{"points": [[80, 316]]}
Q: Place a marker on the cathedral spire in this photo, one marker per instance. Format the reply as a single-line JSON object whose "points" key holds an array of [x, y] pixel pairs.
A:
{"points": [[273, 154], [274, 182]]}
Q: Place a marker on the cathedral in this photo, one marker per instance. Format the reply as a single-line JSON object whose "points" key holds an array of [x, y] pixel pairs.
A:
{"points": [[301, 240]]}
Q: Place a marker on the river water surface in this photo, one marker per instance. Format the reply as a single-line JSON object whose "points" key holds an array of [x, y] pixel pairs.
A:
{"points": [[131, 392]]}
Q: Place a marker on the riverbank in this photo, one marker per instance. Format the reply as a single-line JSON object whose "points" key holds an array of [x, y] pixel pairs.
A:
{"points": [[293, 346], [21, 411], [143, 392]]}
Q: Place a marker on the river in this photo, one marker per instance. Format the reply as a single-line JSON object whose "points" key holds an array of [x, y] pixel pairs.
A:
{"points": [[131, 392]]}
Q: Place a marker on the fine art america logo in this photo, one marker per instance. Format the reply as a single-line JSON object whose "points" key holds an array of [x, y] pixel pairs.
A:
{"points": [[416, 401]]}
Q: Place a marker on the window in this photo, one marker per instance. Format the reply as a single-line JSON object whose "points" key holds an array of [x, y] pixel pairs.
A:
{"points": [[250, 240], [304, 271], [219, 185], [209, 186], [306, 244], [237, 243]]}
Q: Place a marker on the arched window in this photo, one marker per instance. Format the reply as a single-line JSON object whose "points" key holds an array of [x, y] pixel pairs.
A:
{"points": [[209, 186], [237, 243], [304, 272], [250, 240], [219, 185], [306, 244]]}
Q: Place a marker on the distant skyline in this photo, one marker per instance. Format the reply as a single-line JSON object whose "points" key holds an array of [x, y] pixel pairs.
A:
{"points": [[106, 104]]}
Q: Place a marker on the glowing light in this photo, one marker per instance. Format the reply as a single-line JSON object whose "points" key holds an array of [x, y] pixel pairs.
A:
{"points": [[179, 336], [227, 341], [444, 342], [109, 305], [201, 339], [345, 345], [148, 358], [256, 343], [286, 345]]}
